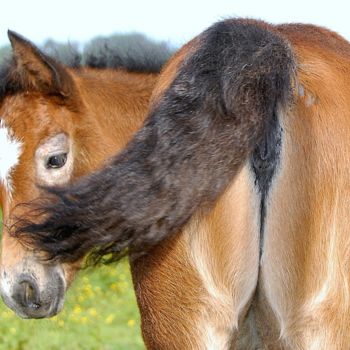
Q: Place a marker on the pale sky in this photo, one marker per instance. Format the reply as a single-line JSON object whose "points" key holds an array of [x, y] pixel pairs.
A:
{"points": [[175, 21]]}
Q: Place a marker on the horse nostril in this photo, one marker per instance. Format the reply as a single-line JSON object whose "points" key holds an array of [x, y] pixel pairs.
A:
{"points": [[27, 293]]}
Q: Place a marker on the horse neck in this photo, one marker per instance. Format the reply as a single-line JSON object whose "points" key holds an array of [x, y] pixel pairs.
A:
{"points": [[115, 105]]}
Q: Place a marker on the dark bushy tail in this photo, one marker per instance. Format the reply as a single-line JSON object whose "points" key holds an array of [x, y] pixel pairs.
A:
{"points": [[198, 135]]}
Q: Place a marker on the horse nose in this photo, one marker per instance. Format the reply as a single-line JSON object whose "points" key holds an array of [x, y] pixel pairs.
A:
{"points": [[34, 294], [26, 293]]}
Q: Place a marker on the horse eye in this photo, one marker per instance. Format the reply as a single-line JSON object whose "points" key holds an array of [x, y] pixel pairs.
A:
{"points": [[56, 161]]}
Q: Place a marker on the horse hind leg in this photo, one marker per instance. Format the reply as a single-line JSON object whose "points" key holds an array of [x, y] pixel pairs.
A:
{"points": [[195, 289]]}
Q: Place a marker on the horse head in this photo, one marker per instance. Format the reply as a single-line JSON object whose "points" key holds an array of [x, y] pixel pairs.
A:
{"points": [[55, 126]]}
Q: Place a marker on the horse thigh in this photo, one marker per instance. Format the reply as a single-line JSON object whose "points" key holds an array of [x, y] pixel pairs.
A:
{"points": [[193, 290], [305, 265]]}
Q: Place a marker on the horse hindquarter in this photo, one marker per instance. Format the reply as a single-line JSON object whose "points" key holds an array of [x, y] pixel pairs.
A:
{"points": [[194, 290], [305, 268]]}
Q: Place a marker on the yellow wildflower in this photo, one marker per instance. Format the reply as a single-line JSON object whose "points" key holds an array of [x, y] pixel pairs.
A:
{"points": [[92, 312], [131, 323], [109, 319], [77, 309], [114, 286]]}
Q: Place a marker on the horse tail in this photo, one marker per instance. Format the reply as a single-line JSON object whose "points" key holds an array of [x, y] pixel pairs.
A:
{"points": [[202, 127]]}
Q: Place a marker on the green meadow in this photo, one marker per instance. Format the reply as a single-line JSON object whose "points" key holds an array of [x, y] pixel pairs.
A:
{"points": [[100, 313]]}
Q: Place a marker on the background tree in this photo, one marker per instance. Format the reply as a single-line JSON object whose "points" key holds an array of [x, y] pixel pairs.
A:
{"points": [[132, 50], [66, 53], [5, 51], [126, 50]]}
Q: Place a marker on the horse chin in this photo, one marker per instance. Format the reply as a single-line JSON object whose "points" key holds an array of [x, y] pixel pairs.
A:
{"points": [[34, 313]]}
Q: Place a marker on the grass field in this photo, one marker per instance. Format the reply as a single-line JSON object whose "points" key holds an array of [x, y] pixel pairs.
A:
{"points": [[100, 314]]}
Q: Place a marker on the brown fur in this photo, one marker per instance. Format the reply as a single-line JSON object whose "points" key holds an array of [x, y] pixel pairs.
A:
{"points": [[96, 105], [305, 264], [92, 127], [302, 300], [178, 302], [308, 211]]}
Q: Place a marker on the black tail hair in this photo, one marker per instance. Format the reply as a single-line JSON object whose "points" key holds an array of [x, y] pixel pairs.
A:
{"points": [[203, 128]]}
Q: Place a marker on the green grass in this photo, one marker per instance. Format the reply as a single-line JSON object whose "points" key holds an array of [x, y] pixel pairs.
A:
{"points": [[100, 313]]}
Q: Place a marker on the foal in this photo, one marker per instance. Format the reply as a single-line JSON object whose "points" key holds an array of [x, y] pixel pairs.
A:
{"points": [[233, 198], [56, 124]]}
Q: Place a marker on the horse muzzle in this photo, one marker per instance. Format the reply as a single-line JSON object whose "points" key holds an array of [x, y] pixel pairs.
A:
{"points": [[33, 295]]}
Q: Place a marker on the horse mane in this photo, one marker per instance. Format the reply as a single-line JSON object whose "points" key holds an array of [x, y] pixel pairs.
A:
{"points": [[133, 52], [141, 55]]}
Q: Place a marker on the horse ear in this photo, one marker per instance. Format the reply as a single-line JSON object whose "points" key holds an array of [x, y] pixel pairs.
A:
{"points": [[37, 71]]}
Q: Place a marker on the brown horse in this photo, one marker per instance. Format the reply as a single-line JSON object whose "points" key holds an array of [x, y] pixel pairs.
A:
{"points": [[57, 123], [233, 197]]}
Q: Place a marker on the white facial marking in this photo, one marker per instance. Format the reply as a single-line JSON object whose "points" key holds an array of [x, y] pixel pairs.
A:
{"points": [[10, 151], [5, 284]]}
